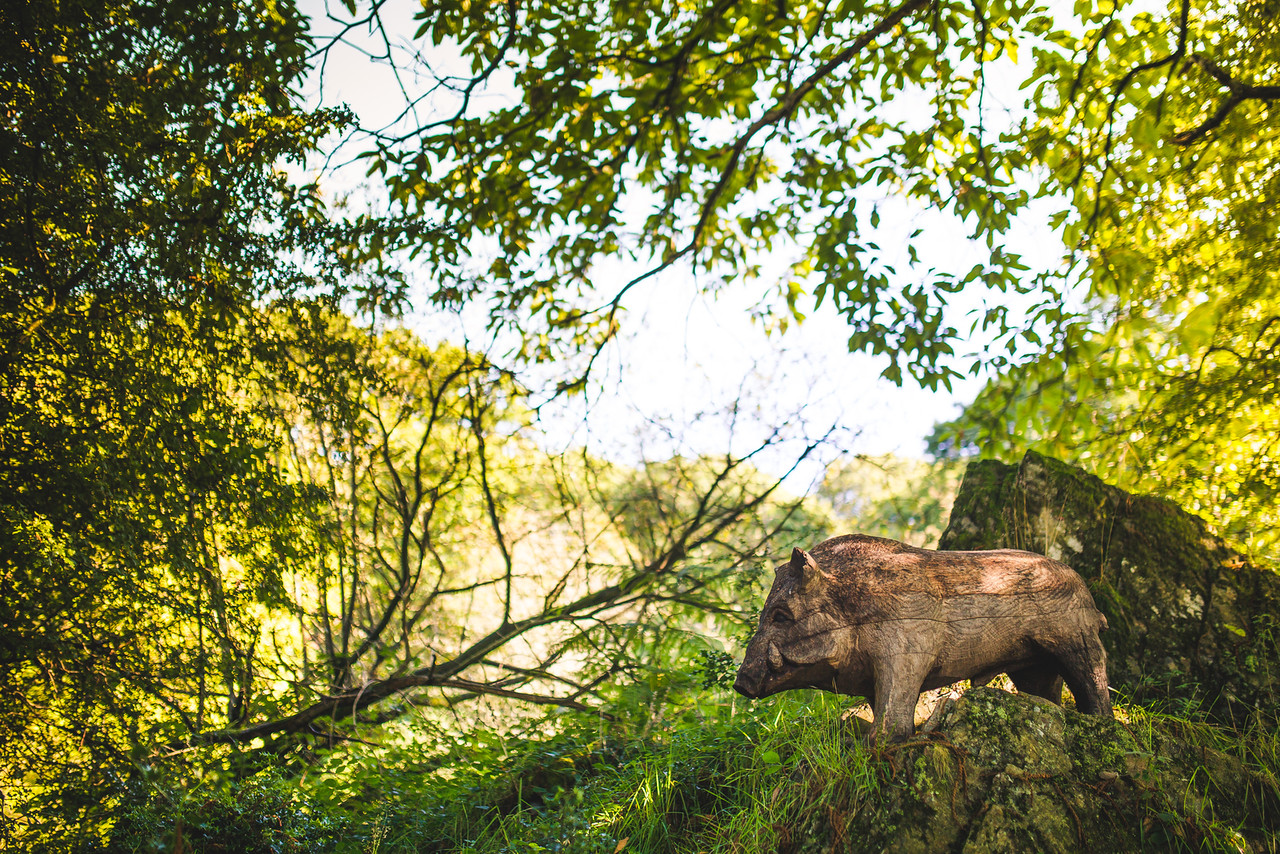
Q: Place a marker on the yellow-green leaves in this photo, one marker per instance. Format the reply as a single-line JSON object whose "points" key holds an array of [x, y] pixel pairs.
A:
{"points": [[1166, 378], [670, 133]]}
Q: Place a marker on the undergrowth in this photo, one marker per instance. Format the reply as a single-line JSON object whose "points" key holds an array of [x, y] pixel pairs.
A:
{"points": [[774, 776], [727, 785]]}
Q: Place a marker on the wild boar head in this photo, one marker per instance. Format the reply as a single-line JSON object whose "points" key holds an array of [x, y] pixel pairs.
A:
{"points": [[800, 641]]}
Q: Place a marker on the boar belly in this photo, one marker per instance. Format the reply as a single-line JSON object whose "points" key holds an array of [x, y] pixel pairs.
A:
{"points": [[979, 648], [856, 681]]}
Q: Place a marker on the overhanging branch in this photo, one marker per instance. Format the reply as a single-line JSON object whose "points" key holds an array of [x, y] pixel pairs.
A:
{"points": [[782, 111], [1239, 92]]}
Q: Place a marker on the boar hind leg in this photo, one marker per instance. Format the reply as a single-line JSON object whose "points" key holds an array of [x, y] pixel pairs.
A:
{"points": [[1041, 680], [1085, 668]]}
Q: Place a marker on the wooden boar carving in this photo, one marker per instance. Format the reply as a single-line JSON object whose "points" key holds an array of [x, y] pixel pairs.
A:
{"points": [[880, 619]]}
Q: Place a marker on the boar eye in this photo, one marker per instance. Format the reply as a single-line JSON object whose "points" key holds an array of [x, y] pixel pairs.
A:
{"points": [[781, 616]]}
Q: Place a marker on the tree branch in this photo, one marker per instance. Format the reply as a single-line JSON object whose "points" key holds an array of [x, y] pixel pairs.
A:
{"points": [[1240, 92], [780, 112]]}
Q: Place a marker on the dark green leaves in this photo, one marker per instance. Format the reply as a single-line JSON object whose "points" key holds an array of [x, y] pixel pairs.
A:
{"points": [[145, 229]]}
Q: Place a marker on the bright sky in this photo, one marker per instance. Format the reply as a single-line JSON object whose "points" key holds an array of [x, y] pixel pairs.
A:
{"points": [[684, 353]]}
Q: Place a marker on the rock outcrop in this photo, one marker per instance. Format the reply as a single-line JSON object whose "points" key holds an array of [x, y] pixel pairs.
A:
{"points": [[1191, 621], [1013, 773]]}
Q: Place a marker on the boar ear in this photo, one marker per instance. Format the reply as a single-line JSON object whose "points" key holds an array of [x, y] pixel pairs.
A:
{"points": [[805, 569]]}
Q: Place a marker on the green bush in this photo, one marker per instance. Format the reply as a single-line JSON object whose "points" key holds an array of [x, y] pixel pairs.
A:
{"points": [[263, 814]]}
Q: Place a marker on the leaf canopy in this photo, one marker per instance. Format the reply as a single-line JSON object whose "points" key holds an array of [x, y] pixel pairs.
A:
{"points": [[708, 134], [1167, 142]]}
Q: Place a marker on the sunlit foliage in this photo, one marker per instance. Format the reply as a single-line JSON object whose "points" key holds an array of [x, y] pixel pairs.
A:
{"points": [[706, 134], [1161, 130], [141, 520], [711, 135], [235, 523]]}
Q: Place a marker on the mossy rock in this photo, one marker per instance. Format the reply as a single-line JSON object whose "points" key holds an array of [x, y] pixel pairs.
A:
{"points": [[1192, 622], [1010, 773]]}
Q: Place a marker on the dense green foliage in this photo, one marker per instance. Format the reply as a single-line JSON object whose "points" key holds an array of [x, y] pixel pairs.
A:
{"points": [[262, 814], [144, 222], [1161, 132]]}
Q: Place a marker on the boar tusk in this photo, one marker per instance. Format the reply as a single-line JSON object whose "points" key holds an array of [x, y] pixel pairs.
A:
{"points": [[775, 657]]}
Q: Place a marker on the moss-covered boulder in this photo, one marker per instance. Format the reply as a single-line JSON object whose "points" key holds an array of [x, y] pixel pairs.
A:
{"points": [[1191, 620], [1010, 773]]}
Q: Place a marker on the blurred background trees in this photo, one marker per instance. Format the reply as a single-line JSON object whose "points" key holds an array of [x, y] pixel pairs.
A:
{"points": [[903, 499]]}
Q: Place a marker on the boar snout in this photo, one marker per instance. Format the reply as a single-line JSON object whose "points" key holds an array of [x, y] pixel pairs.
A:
{"points": [[752, 673], [746, 687], [757, 668]]}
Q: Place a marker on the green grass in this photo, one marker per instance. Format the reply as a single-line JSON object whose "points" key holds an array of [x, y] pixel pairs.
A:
{"points": [[1203, 816], [743, 787], [736, 785], [775, 776]]}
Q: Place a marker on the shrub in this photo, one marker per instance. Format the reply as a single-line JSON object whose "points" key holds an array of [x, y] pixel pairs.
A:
{"points": [[263, 814]]}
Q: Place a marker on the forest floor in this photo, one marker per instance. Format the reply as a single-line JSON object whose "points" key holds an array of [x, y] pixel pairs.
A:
{"points": [[991, 771]]}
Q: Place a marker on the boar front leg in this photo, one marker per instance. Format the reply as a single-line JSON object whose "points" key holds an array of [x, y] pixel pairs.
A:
{"points": [[1085, 669], [898, 682]]}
